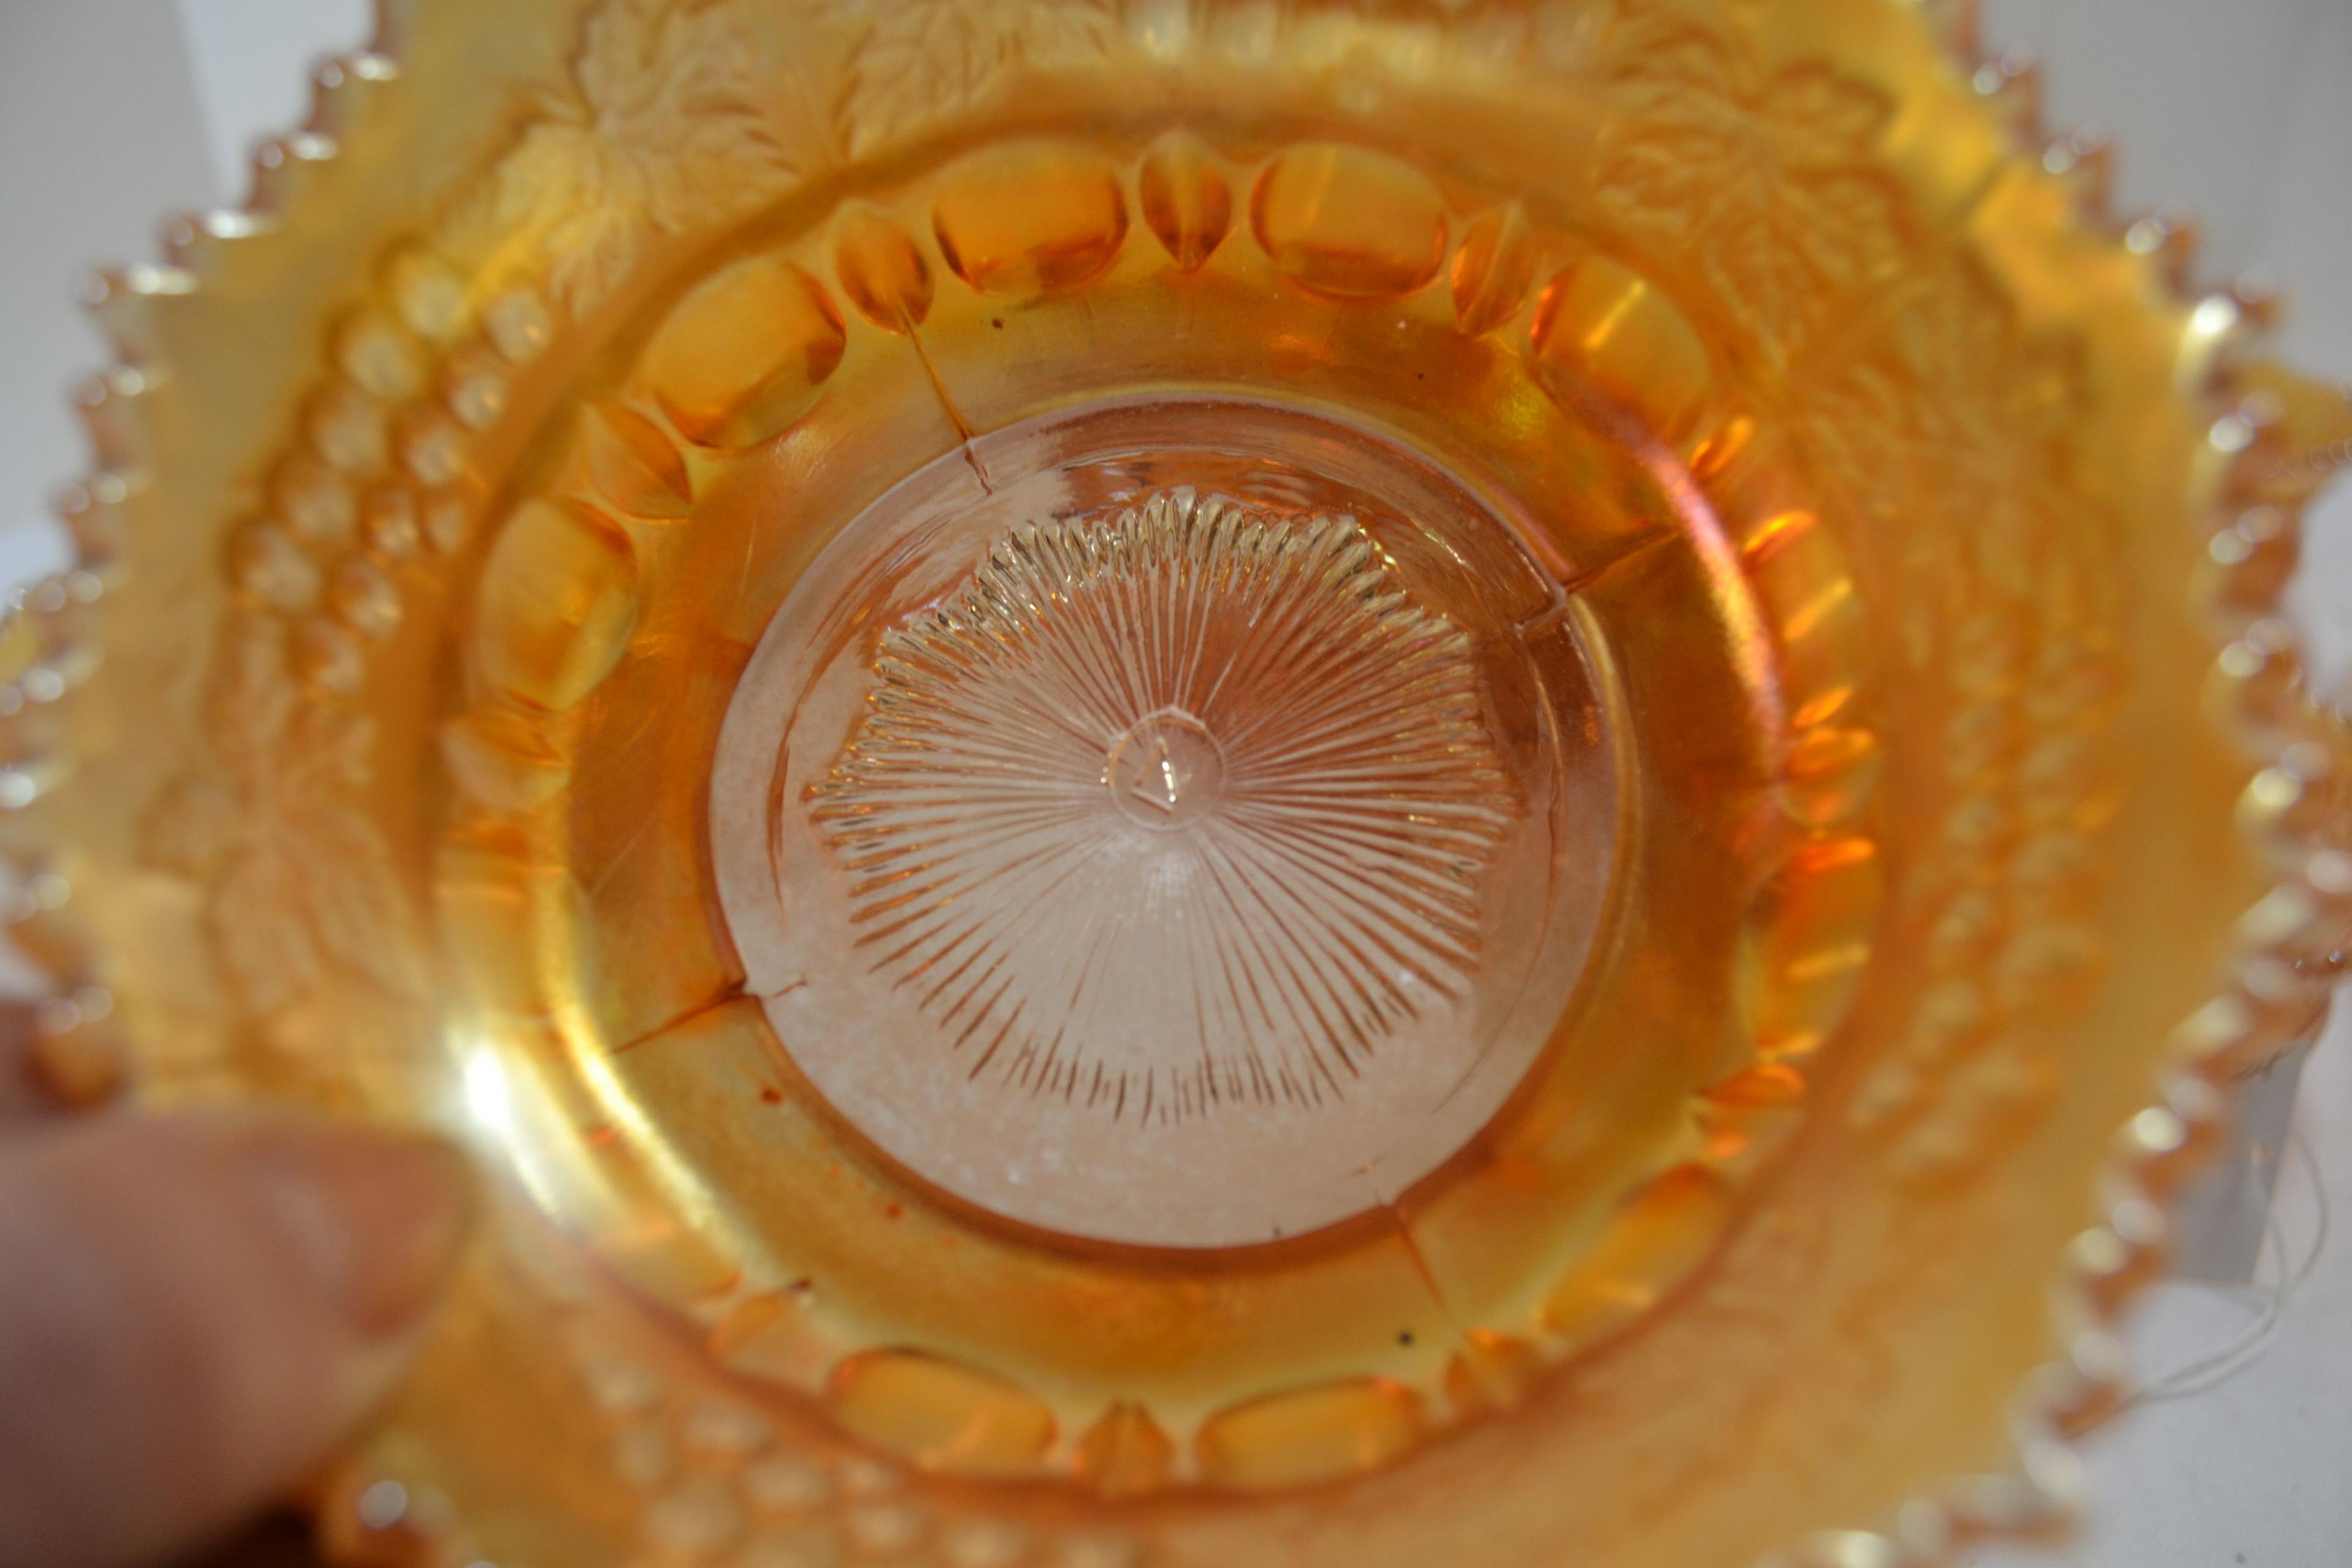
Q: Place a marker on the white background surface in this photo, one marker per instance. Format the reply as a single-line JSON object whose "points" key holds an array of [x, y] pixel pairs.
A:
{"points": [[114, 112], [2242, 108]]}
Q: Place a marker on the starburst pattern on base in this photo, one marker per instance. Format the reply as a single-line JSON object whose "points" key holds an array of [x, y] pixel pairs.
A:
{"points": [[1172, 809]]}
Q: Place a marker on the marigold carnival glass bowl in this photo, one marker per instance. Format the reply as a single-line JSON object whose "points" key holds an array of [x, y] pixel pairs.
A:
{"points": [[1180, 783]]}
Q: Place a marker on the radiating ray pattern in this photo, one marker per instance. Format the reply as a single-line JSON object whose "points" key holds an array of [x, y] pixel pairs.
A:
{"points": [[1170, 809]]}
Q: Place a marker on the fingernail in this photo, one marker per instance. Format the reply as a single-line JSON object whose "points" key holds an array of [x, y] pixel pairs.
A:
{"points": [[375, 1219]]}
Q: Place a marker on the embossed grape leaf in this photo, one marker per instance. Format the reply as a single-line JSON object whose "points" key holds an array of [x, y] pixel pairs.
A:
{"points": [[264, 940], [189, 830], [301, 884], [674, 124], [1948, 427], [353, 898], [1766, 179], [1947, 400], [921, 59], [1824, 114]]}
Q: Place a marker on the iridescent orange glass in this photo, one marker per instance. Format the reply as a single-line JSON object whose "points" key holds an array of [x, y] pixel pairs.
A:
{"points": [[1181, 784]]}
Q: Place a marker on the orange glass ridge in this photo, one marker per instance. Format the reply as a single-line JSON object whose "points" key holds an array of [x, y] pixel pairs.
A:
{"points": [[1178, 785]]}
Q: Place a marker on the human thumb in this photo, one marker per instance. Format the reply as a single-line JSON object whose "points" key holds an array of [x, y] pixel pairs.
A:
{"points": [[192, 1311]]}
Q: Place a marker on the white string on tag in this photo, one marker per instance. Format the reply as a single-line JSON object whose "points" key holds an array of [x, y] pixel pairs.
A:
{"points": [[2264, 1305]]}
